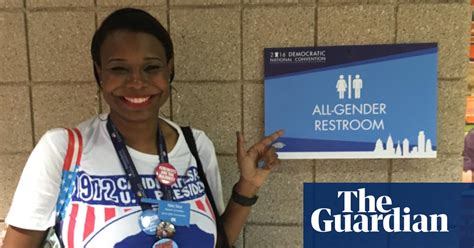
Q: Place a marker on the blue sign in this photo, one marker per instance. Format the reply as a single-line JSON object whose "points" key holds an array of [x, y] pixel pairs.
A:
{"points": [[435, 215], [374, 101]]}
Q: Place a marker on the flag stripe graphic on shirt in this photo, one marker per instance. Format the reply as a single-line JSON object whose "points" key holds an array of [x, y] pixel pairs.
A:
{"points": [[109, 213], [86, 220], [210, 208], [70, 151], [79, 152], [90, 222], [72, 224], [200, 205]]}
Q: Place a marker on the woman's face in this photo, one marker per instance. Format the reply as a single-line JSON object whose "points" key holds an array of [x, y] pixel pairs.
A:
{"points": [[135, 75]]}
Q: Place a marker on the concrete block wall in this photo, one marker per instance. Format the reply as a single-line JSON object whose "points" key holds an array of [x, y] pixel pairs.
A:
{"points": [[470, 77], [46, 81]]}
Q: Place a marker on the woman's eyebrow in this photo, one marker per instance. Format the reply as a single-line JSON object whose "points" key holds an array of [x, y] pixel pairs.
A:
{"points": [[115, 60], [153, 58], [122, 60]]}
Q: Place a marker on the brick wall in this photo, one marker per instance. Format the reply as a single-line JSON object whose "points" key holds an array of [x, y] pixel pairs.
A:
{"points": [[46, 81]]}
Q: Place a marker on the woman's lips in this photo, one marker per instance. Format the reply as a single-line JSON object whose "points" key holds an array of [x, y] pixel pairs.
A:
{"points": [[136, 102]]}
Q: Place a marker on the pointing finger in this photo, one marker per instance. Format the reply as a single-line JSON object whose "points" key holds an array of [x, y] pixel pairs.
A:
{"points": [[267, 141]]}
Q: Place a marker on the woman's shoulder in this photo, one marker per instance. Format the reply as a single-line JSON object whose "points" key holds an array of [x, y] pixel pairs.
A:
{"points": [[55, 138], [199, 135], [203, 142], [59, 137], [92, 125]]}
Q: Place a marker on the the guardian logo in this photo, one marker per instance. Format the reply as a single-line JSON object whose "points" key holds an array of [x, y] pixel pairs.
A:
{"points": [[374, 215]]}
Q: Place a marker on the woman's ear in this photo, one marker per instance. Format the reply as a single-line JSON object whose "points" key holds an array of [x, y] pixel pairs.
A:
{"points": [[98, 70], [171, 70], [98, 74]]}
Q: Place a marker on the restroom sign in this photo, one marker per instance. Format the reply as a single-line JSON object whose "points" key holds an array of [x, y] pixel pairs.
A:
{"points": [[373, 101]]}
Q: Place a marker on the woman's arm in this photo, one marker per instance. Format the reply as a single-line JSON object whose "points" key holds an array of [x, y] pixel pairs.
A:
{"points": [[235, 215], [34, 202], [251, 179], [22, 238]]}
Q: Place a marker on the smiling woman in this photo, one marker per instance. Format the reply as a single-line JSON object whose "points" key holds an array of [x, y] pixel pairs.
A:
{"points": [[134, 75], [139, 180]]}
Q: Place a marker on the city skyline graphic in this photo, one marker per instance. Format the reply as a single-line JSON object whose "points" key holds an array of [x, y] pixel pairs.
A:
{"points": [[423, 148]]}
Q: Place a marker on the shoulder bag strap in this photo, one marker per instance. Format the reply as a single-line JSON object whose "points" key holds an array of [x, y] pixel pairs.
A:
{"points": [[68, 175], [222, 241], [74, 153]]}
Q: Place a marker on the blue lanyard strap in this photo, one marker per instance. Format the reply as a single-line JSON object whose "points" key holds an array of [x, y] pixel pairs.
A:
{"points": [[161, 144], [129, 166]]}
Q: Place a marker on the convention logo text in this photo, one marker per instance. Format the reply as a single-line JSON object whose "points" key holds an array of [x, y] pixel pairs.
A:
{"points": [[298, 57]]}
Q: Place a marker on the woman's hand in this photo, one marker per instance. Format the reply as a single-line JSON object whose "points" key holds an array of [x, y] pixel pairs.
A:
{"points": [[251, 176]]}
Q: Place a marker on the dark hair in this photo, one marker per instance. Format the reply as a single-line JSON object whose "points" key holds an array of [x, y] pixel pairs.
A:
{"points": [[130, 19]]}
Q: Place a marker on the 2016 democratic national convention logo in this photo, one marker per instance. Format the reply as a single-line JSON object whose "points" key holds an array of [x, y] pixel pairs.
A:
{"points": [[388, 215], [376, 101]]}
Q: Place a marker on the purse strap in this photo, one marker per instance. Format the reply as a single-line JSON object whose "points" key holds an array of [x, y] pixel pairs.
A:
{"points": [[68, 177], [74, 150], [222, 241]]}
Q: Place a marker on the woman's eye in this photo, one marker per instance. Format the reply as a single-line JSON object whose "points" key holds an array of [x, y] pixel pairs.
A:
{"points": [[118, 69], [152, 68]]}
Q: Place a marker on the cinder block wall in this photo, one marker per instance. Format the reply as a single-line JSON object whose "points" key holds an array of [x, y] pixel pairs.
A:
{"points": [[46, 81]]}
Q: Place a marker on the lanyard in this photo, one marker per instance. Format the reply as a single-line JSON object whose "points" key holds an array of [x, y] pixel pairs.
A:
{"points": [[130, 169], [161, 144]]}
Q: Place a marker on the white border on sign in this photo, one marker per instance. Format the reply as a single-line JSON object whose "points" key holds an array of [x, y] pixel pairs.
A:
{"points": [[344, 155]]}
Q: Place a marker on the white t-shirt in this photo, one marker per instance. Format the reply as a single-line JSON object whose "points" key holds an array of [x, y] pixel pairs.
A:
{"points": [[103, 211]]}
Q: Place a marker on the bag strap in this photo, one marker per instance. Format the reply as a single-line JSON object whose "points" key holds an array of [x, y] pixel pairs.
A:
{"points": [[68, 178], [222, 241]]}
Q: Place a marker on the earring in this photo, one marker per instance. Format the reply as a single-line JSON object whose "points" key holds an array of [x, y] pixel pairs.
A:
{"points": [[98, 109], [178, 99], [161, 113]]}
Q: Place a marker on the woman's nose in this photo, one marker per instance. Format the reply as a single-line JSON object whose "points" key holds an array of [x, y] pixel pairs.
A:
{"points": [[137, 79]]}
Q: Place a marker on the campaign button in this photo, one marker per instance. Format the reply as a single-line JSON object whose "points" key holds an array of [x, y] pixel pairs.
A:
{"points": [[165, 230], [165, 243], [148, 221], [166, 174]]}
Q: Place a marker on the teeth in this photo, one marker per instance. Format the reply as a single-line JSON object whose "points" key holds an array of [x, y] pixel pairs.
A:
{"points": [[137, 99]]}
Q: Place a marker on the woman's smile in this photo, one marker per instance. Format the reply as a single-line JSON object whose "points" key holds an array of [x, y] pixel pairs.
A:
{"points": [[137, 102]]}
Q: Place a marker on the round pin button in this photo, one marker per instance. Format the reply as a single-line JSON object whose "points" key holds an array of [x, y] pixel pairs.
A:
{"points": [[165, 243], [166, 174], [165, 230], [148, 221]]}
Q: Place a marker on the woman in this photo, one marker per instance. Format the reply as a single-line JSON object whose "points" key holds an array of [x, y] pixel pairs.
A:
{"points": [[111, 206]]}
